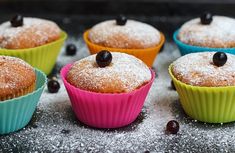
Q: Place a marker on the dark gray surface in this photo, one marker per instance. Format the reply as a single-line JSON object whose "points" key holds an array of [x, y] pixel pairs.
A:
{"points": [[54, 127]]}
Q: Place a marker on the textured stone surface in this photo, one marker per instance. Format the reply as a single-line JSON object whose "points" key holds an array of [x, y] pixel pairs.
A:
{"points": [[54, 127]]}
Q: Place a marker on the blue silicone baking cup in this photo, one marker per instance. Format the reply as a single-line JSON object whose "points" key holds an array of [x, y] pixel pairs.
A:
{"points": [[186, 49], [16, 113]]}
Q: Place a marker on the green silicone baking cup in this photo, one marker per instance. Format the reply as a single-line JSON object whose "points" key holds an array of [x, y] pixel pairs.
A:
{"points": [[206, 104], [16, 113], [42, 57]]}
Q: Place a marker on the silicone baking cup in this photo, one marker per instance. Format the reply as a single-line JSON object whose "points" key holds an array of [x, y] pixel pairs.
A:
{"points": [[206, 104], [104, 110], [42, 57], [186, 49], [147, 55], [16, 113]]}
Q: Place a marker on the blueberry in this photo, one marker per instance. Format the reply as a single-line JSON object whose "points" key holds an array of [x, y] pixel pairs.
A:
{"points": [[219, 58], [71, 49], [172, 127], [103, 58], [206, 18], [17, 21], [53, 86], [121, 20], [64, 131]]}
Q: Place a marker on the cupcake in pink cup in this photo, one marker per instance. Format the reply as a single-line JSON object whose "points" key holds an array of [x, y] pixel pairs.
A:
{"points": [[107, 90]]}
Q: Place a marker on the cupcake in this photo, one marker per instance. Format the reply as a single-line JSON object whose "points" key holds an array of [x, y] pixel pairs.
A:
{"points": [[20, 89], [205, 83], [17, 78], [127, 36], [207, 33], [34, 40], [107, 90]]}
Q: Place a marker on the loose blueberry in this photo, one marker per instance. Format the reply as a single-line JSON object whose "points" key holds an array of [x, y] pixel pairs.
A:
{"points": [[71, 49], [121, 20], [173, 85], [64, 131], [103, 58], [53, 86], [219, 58], [34, 126], [206, 18], [172, 127], [17, 21]]}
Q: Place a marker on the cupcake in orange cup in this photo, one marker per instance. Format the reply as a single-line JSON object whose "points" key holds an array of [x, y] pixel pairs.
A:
{"points": [[127, 36]]}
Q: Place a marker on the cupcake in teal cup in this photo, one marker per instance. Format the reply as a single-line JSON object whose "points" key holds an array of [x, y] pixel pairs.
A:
{"points": [[20, 89], [207, 33]]}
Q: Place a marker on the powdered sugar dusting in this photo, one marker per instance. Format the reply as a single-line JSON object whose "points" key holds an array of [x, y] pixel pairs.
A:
{"points": [[34, 32], [132, 34], [198, 69], [220, 33], [125, 72], [11, 75], [54, 127]]}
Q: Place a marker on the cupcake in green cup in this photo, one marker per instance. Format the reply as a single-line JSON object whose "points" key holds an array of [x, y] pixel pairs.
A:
{"points": [[205, 83], [37, 41]]}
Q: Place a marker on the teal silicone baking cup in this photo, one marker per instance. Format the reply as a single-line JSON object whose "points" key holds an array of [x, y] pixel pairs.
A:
{"points": [[16, 113], [187, 49]]}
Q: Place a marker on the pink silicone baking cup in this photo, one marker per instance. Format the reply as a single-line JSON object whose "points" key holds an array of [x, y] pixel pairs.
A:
{"points": [[105, 110]]}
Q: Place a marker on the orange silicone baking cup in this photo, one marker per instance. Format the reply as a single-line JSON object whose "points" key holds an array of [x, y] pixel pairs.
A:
{"points": [[147, 55]]}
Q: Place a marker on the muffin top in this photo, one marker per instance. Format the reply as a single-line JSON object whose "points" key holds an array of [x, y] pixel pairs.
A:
{"points": [[125, 73], [132, 35], [34, 32], [220, 33], [15, 75], [198, 69]]}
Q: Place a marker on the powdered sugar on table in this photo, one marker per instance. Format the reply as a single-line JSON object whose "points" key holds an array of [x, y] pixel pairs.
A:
{"points": [[54, 127]]}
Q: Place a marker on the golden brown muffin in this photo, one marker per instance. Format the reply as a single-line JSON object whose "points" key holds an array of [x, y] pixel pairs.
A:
{"points": [[198, 69], [17, 78], [220, 33], [34, 32], [124, 74], [132, 35]]}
